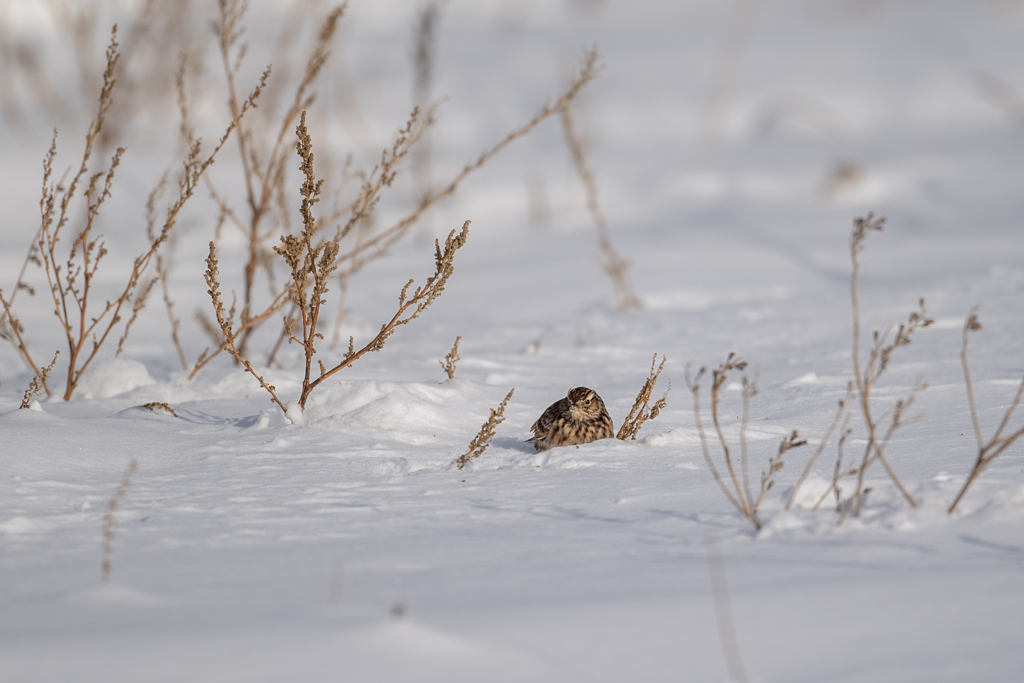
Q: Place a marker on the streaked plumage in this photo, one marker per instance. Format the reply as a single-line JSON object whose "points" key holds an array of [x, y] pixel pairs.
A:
{"points": [[578, 418]]}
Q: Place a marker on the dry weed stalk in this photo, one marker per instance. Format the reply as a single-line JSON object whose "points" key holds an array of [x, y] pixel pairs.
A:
{"points": [[370, 247], [741, 496], [448, 364], [639, 413], [109, 520], [263, 170], [312, 263], [163, 268], [375, 246], [153, 405], [839, 473], [71, 283], [36, 385], [840, 411], [615, 266], [483, 438], [987, 451], [11, 329], [878, 360]]}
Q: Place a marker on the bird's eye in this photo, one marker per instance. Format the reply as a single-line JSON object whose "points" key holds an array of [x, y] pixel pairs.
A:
{"points": [[588, 401]]}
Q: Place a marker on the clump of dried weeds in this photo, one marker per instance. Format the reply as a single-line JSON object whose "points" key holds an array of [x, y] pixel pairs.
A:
{"points": [[640, 412], [71, 275], [312, 262]]}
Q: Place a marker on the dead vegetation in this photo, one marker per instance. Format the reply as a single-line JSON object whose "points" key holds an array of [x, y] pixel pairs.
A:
{"points": [[642, 411], [739, 494], [450, 360], [70, 274], [994, 447], [312, 262], [109, 521], [159, 405], [483, 438], [614, 264], [37, 383], [880, 427]]}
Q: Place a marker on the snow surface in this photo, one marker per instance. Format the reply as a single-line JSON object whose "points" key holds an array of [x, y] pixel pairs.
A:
{"points": [[249, 548]]}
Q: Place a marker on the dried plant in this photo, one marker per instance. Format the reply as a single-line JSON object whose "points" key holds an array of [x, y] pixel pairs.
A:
{"points": [[264, 170], [483, 438], [70, 279], [372, 247], [840, 412], [36, 385], [990, 450], [163, 268], [448, 364], [11, 329], [840, 473], [312, 263], [615, 265], [154, 405], [640, 413], [741, 495], [109, 520], [883, 346]]}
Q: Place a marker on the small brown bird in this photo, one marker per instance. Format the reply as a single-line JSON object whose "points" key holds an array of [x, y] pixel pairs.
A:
{"points": [[578, 418]]}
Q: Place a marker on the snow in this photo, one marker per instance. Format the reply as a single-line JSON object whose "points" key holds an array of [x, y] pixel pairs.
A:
{"points": [[341, 543]]}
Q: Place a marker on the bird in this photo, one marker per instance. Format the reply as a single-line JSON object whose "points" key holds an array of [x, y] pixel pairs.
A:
{"points": [[578, 418]]}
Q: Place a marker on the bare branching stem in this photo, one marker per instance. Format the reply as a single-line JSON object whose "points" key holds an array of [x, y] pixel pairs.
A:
{"points": [[840, 411], [740, 495], [376, 246], [987, 451], [878, 360]]}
